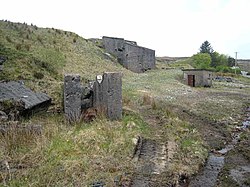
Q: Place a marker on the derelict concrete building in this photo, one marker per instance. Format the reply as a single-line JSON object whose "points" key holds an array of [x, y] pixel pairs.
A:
{"points": [[133, 57], [198, 77]]}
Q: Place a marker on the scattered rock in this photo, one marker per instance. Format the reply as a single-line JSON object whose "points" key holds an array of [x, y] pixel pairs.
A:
{"points": [[3, 116]]}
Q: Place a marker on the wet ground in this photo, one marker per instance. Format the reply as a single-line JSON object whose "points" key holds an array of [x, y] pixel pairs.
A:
{"points": [[153, 159], [208, 177]]}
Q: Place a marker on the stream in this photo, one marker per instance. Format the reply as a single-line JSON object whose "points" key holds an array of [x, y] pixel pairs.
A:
{"points": [[215, 162]]}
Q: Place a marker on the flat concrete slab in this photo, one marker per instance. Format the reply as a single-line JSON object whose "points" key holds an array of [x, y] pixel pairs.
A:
{"points": [[19, 92]]}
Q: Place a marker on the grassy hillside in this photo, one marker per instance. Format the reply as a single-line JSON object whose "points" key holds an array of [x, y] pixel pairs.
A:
{"points": [[157, 107], [41, 56]]}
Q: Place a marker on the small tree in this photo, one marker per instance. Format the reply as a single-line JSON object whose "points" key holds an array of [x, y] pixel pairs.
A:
{"points": [[230, 61], [206, 48]]}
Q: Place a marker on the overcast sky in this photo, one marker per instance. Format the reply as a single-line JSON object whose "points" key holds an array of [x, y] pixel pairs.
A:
{"points": [[171, 27]]}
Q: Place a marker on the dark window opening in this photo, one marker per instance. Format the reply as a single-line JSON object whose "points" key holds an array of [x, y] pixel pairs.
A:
{"points": [[119, 49]]}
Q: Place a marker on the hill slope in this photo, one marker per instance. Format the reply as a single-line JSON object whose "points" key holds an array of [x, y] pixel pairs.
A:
{"points": [[41, 56]]}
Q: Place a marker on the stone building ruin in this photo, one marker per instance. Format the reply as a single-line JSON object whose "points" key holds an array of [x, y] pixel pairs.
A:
{"points": [[198, 77], [133, 57], [102, 96]]}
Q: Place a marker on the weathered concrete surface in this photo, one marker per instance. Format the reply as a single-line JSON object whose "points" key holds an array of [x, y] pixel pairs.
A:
{"points": [[200, 77], [87, 96], [17, 91], [133, 57], [72, 97], [108, 95]]}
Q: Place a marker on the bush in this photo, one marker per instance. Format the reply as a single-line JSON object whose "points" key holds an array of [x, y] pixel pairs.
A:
{"points": [[27, 47], [201, 60], [226, 69], [18, 46], [39, 38], [8, 39], [38, 75], [223, 69]]}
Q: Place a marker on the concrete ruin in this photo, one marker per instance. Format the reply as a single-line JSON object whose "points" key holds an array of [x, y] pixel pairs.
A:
{"points": [[23, 99], [198, 77], [104, 95], [72, 97], [133, 57], [108, 94]]}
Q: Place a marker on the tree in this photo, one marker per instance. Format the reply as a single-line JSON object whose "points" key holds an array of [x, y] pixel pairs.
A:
{"points": [[230, 61], [201, 60], [206, 48], [218, 59]]}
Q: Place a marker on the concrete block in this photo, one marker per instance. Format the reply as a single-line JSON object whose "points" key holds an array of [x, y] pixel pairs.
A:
{"points": [[72, 97], [108, 94]]}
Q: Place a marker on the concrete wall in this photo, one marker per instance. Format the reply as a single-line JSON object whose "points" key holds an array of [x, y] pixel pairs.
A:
{"points": [[133, 57], [114, 46], [105, 96], [108, 95], [138, 59], [72, 97], [202, 77]]}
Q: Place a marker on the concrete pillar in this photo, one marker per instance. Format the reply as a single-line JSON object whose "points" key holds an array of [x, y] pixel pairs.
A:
{"points": [[72, 97], [108, 94]]}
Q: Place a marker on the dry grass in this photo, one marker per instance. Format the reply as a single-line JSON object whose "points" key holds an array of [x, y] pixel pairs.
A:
{"points": [[71, 155]]}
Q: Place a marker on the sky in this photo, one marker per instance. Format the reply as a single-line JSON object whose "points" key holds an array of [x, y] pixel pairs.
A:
{"points": [[173, 28]]}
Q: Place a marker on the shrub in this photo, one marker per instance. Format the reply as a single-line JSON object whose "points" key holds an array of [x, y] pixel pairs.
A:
{"points": [[8, 39], [38, 75], [74, 40], [18, 46], [39, 38], [27, 47], [201, 60]]}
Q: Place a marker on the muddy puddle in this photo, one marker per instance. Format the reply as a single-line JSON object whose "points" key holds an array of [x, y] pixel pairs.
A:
{"points": [[215, 162]]}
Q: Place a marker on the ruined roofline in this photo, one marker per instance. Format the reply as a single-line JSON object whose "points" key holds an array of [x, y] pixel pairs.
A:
{"points": [[113, 38], [128, 42], [131, 42], [140, 47], [197, 70]]}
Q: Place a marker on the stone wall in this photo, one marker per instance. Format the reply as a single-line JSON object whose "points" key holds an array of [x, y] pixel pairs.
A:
{"points": [[133, 57], [104, 95]]}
